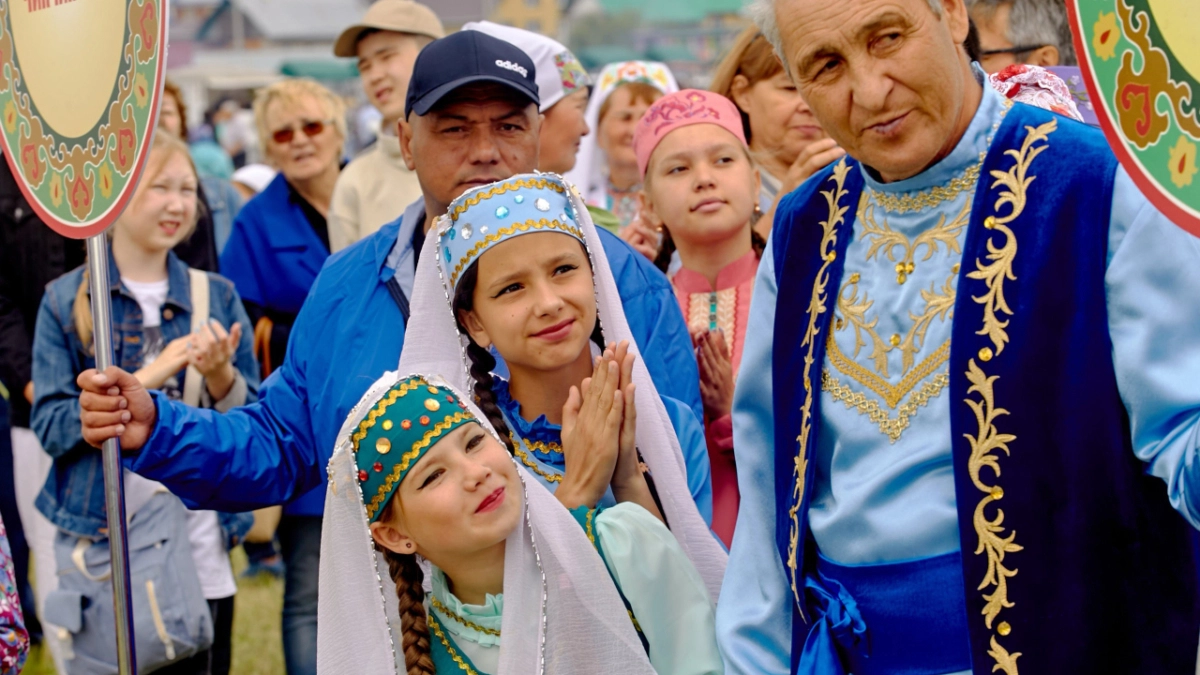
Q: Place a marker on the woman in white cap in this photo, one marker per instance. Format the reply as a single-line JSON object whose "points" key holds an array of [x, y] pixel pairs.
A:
{"points": [[606, 171]]}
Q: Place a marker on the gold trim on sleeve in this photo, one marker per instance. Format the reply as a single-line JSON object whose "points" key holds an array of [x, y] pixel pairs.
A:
{"points": [[989, 442], [816, 307]]}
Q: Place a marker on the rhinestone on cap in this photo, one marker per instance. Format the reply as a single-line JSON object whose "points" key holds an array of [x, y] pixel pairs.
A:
{"points": [[432, 405], [383, 446], [432, 390], [406, 424], [483, 229], [362, 475], [466, 230], [520, 199], [424, 420], [378, 466], [387, 425], [501, 211], [541, 204]]}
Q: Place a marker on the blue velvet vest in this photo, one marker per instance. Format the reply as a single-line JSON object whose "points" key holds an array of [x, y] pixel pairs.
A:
{"points": [[1073, 559]]}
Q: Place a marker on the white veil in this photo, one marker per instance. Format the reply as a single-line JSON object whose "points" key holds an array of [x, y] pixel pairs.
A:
{"points": [[591, 167], [562, 613], [434, 344]]}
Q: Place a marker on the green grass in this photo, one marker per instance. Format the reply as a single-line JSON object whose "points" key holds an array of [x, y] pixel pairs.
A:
{"points": [[257, 641]]}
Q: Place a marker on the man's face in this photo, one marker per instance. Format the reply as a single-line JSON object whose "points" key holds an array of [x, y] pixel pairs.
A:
{"points": [[993, 25], [886, 78], [385, 64], [477, 135]]}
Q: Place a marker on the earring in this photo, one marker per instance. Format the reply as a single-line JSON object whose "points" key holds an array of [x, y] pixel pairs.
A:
{"points": [[758, 209], [408, 546]]}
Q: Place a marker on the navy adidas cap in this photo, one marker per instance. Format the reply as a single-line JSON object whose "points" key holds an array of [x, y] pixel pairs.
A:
{"points": [[463, 58]]}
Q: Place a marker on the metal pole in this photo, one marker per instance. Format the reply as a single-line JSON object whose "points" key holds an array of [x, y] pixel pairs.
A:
{"points": [[114, 489]]}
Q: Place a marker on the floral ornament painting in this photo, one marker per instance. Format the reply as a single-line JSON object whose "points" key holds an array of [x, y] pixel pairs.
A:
{"points": [[1141, 61], [80, 85]]}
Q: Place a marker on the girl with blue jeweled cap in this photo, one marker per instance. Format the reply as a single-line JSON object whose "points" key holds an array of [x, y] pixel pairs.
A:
{"points": [[516, 270], [422, 489]]}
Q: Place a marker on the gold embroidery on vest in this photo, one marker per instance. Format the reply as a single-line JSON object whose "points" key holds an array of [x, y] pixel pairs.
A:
{"points": [[816, 307], [991, 531], [885, 240], [853, 312], [892, 427]]}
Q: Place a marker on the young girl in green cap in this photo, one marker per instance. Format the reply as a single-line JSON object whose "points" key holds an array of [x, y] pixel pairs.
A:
{"points": [[419, 481]]}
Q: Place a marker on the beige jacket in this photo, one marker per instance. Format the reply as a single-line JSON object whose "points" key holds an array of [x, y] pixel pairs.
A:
{"points": [[371, 192]]}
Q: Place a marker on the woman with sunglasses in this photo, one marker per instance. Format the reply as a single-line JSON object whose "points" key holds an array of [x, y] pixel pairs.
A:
{"points": [[280, 238]]}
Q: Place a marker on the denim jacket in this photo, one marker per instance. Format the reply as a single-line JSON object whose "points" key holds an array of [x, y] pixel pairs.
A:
{"points": [[73, 495]]}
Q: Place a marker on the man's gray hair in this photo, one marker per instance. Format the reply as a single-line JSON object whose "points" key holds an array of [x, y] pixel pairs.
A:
{"points": [[1033, 22], [763, 13]]}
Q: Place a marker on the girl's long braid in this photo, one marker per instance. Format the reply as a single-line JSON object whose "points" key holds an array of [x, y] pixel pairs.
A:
{"points": [[482, 361], [482, 364], [407, 575]]}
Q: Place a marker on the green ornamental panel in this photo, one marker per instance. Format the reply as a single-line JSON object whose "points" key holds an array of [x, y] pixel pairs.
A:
{"points": [[81, 82], [1141, 60]]}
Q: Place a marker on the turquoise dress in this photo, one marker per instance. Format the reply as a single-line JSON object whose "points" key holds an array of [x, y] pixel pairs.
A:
{"points": [[665, 593]]}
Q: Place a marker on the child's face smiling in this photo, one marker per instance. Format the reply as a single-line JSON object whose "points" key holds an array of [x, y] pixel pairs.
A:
{"points": [[701, 185], [462, 498]]}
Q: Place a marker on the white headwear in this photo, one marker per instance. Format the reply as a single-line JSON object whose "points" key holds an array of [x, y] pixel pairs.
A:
{"points": [[550, 569], [591, 167], [559, 73]]}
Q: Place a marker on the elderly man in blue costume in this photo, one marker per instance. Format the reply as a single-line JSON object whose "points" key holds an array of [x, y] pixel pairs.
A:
{"points": [[472, 118], [968, 423]]}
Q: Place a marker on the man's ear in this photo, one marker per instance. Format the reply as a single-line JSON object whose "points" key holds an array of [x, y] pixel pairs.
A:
{"points": [[392, 538], [1044, 56], [957, 19], [470, 321], [406, 136]]}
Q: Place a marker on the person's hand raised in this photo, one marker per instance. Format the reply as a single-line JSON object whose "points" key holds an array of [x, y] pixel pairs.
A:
{"points": [[172, 359], [642, 237], [115, 404], [591, 435], [211, 351], [716, 374]]}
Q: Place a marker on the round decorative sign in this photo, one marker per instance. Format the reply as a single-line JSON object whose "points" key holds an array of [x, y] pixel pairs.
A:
{"points": [[1141, 60], [81, 83]]}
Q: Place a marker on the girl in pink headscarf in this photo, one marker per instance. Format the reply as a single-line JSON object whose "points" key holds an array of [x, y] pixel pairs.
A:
{"points": [[700, 188]]}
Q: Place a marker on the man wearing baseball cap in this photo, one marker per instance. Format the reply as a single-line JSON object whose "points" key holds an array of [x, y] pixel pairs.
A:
{"points": [[471, 118], [377, 185]]}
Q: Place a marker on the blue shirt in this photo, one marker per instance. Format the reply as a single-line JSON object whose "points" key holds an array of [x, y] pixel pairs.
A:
{"points": [[348, 333], [884, 488]]}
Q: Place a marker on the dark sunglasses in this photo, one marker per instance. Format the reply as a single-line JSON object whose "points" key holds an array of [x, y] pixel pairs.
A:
{"points": [[1011, 50], [310, 128]]}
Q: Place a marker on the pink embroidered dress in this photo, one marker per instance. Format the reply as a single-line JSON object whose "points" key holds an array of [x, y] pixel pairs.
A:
{"points": [[727, 307]]}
